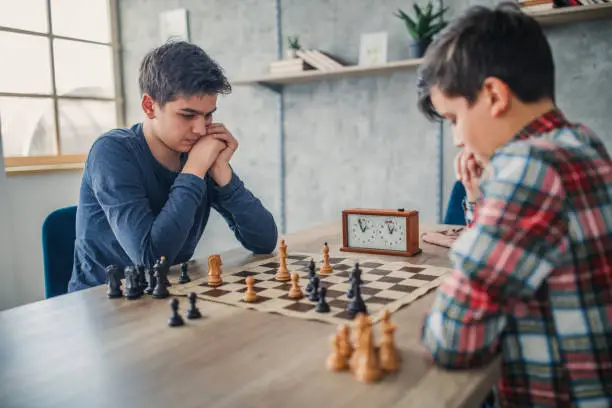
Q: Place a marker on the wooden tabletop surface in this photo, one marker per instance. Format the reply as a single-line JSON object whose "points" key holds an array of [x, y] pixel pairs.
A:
{"points": [[84, 350]]}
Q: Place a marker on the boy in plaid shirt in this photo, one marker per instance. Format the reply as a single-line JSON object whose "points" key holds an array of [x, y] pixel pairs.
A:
{"points": [[533, 273]]}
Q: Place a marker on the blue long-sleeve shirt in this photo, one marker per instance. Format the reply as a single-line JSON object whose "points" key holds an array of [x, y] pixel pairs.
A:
{"points": [[132, 210]]}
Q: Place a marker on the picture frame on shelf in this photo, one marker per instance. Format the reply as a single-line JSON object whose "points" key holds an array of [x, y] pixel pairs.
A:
{"points": [[373, 49]]}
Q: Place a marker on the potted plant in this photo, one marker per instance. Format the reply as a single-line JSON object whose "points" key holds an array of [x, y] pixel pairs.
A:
{"points": [[426, 24], [294, 46]]}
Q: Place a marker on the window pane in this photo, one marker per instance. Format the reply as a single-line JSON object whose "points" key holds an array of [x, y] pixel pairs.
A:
{"points": [[28, 126], [25, 66], [92, 75], [24, 14], [82, 122], [85, 19]]}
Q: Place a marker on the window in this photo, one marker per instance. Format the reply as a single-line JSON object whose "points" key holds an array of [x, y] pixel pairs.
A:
{"points": [[59, 82]]}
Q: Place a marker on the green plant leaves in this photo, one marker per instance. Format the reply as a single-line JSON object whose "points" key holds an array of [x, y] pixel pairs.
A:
{"points": [[426, 23]]}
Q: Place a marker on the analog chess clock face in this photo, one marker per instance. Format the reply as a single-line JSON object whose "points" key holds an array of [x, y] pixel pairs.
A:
{"points": [[381, 231]]}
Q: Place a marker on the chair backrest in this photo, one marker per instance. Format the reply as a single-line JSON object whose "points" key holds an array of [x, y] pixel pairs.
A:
{"points": [[58, 236], [455, 214]]}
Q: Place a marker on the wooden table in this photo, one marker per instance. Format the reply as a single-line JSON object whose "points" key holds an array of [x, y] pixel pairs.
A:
{"points": [[84, 350]]}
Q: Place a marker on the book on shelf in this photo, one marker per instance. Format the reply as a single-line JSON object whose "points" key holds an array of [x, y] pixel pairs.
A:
{"points": [[320, 60], [537, 5], [288, 66]]}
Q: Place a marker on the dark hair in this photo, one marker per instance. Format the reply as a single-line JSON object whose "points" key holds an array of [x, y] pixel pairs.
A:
{"points": [[179, 68], [503, 43]]}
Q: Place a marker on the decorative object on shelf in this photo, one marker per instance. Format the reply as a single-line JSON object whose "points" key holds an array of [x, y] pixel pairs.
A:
{"points": [[373, 49], [543, 5], [427, 23], [288, 66], [174, 25], [294, 46]]}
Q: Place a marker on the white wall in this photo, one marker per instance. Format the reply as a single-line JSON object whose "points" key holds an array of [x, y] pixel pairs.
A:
{"points": [[7, 272]]}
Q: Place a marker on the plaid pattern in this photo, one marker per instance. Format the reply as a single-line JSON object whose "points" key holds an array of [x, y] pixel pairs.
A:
{"points": [[533, 276]]}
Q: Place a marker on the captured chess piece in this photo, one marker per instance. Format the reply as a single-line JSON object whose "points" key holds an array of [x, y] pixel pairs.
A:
{"points": [[322, 306], [362, 321], [282, 274], [250, 295], [367, 369], [151, 283], [311, 274], [214, 271], [314, 292], [142, 278], [295, 292], [336, 361], [132, 283], [161, 288], [114, 282], [344, 337], [184, 277], [387, 354], [193, 312], [326, 268], [176, 319]]}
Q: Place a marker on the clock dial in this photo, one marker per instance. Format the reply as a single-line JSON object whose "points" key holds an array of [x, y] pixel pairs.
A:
{"points": [[362, 231], [391, 233]]}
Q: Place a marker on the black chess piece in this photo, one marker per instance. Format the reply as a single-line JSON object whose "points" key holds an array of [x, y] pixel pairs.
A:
{"points": [[152, 282], [322, 306], [176, 319], [114, 282], [165, 265], [142, 277], [311, 274], [193, 312], [355, 276], [161, 289], [184, 277], [356, 305], [132, 283], [314, 292]]}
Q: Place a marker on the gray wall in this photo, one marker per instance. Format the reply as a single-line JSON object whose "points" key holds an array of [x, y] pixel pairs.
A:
{"points": [[357, 142]]}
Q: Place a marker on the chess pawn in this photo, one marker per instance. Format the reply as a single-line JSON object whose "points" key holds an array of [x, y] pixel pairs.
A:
{"points": [[176, 319], [193, 312], [295, 292], [346, 348], [214, 271], [326, 268], [184, 277], [367, 369], [282, 274], [250, 295], [336, 361]]}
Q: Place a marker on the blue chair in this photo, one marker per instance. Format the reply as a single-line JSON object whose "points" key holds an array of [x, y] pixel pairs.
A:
{"points": [[455, 214], [58, 236]]}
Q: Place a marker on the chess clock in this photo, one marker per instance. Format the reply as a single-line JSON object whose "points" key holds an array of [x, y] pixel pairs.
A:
{"points": [[386, 232]]}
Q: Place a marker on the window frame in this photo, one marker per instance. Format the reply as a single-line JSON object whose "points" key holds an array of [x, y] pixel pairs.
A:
{"points": [[37, 164]]}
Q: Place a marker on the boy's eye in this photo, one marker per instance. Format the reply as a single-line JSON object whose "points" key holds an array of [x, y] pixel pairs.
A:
{"points": [[208, 116], [186, 116]]}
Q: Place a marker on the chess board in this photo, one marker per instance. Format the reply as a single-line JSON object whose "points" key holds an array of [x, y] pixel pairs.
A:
{"points": [[389, 285]]}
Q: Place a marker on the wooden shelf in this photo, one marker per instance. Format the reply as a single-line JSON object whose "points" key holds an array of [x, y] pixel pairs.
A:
{"points": [[278, 80], [564, 15]]}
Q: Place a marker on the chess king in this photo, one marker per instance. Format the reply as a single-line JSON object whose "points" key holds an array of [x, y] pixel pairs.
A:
{"points": [[151, 187]]}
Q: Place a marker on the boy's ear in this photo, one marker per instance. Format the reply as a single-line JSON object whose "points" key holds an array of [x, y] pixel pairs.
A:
{"points": [[147, 106], [498, 95]]}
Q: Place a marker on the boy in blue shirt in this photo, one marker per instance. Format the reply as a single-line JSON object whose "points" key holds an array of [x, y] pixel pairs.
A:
{"points": [[147, 190]]}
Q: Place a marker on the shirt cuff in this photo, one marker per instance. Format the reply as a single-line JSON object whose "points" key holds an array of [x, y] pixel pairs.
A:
{"points": [[227, 190]]}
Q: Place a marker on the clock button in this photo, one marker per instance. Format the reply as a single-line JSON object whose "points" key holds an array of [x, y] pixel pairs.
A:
{"points": [[400, 210]]}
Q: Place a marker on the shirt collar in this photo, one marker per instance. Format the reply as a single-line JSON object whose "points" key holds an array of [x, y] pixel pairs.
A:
{"points": [[553, 119]]}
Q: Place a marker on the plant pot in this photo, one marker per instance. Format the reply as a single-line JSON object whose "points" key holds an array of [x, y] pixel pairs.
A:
{"points": [[291, 53], [418, 47]]}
